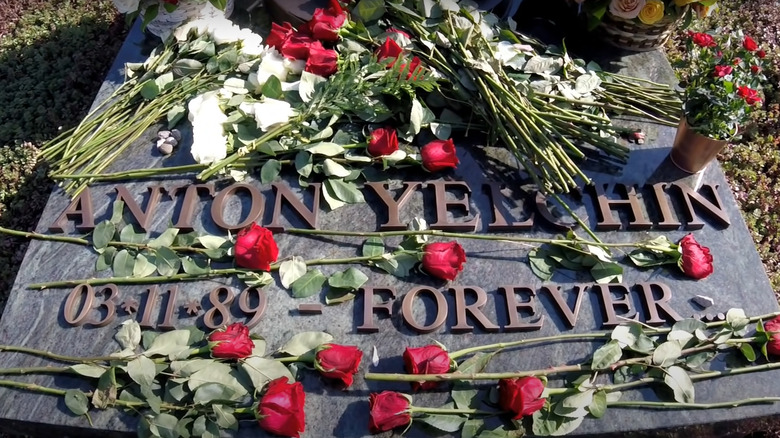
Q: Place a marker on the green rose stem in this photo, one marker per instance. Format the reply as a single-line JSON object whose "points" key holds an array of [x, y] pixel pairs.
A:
{"points": [[451, 411], [213, 273], [76, 359], [678, 405]]}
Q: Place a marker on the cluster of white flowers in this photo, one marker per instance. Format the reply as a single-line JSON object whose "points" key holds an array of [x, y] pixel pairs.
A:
{"points": [[209, 142], [223, 31], [269, 112]]}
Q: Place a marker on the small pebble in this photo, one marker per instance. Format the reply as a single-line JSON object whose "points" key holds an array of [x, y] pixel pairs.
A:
{"points": [[703, 301], [172, 141], [164, 147], [162, 135], [176, 134]]}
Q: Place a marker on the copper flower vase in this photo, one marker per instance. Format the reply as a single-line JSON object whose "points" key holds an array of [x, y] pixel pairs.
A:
{"points": [[692, 151]]}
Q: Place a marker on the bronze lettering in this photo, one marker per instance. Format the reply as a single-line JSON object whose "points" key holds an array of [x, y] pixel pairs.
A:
{"points": [[191, 196], [370, 307], [257, 310], [79, 300], [667, 221], [443, 206], [544, 213], [570, 314], [221, 308], [142, 217], [255, 211], [152, 297], [499, 221], [283, 193], [111, 295], [170, 306], [475, 309], [407, 309], [694, 199], [605, 206], [514, 307], [653, 304], [393, 205], [81, 208], [310, 309], [609, 303]]}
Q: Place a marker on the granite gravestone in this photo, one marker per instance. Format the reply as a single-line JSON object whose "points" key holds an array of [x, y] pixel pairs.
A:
{"points": [[483, 190]]}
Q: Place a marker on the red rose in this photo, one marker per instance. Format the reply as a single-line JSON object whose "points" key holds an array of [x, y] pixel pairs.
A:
{"points": [[383, 141], [325, 23], [411, 69], [723, 70], [750, 95], [443, 260], [281, 409], [749, 44], [430, 359], [232, 343], [255, 248], [296, 46], [703, 40], [696, 260], [755, 69], [521, 395], [389, 49], [322, 62], [773, 346], [278, 35], [761, 54], [388, 410], [338, 361], [439, 155], [736, 61]]}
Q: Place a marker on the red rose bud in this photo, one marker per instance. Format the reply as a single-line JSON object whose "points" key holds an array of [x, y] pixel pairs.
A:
{"points": [[696, 260], [430, 359], [412, 69], [703, 40], [255, 248], [388, 410], [749, 44], [278, 35], [325, 23], [389, 49], [521, 395], [761, 54], [773, 346], [736, 61], [338, 362], [280, 411], [755, 69], [296, 46], [322, 62], [232, 343], [750, 95], [443, 260], [439, 155], [383, 141], [723, 70]]}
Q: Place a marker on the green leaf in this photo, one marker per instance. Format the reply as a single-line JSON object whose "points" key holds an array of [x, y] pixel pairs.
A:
{"points": [[546, 423], [644, 258], [598, 406], [211, 392], [736, 319], [369, 10], [373, 246], [224, 415], [186, 67], [291, 270], [302, 343], [303, 163], [105, 259], [143, 267], [272, 88], [541, 264], [416, 117], [309, 284], [129, 235], [195, 266], [103, 233], [219, 373], [606, 355], [261, 370], [187, 239], [351, 279], [325, 148], [76, 401], [175, 114], [632, 337], [88, 370], [164, 425], [142, 370], [332, 168], [680, 382], [338, 296], [167, 262], [476, 363], [667, 354], [172, 344], [471, 428], [689, 325], [150, 89], [129, 335], [575, 405], [748, 351], [465, 395], [165, 239], [444, 423], [308, 85], [604, 272], [270, 170], [124, 263], [343, 191], [212, 242], [399, 264]]}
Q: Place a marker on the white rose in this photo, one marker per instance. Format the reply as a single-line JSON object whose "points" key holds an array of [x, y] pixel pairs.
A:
{"points": [[209, 143], [223, 31], [272, 65], [251, 43], [628, 9], [125, 6], [272, 112], [294, 66]]}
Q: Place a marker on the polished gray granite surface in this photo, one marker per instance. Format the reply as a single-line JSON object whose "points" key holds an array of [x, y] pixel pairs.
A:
{"points": [[34, 318]]}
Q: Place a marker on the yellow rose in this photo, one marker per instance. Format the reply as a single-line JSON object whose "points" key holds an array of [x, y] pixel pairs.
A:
{"points": [[652, 12], [684, 2]]}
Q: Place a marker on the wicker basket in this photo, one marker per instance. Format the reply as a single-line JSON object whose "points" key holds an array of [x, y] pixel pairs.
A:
{"points": [[637, 36]]}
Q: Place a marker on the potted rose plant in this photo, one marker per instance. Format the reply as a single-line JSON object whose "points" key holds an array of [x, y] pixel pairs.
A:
{"points": [[160, 17], [723, 88], [641, 25]]}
